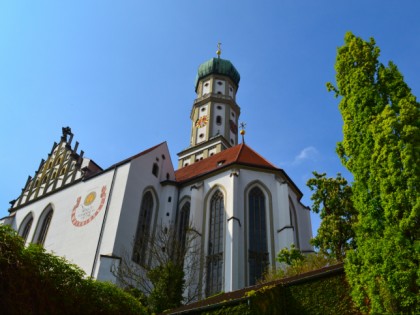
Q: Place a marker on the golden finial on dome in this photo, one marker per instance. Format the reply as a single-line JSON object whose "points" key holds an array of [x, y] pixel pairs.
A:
{"points": [[219, 50]]}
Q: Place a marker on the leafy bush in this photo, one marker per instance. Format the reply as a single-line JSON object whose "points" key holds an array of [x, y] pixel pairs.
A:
{"points": [[36, 282], [297, 264]]}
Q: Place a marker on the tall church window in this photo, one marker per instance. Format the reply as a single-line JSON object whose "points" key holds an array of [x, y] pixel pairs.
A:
{"points": [[26, 226], [215, 245], [143, 229], [219, 120], [257, 250], [42, 235], [293, 223], [183, 223]]}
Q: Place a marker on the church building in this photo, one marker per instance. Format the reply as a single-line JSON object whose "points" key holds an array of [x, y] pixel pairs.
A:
{"points": [[243, 209]]}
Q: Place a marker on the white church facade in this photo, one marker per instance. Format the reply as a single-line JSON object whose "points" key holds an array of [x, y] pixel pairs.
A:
{"points": [[243, 209]]}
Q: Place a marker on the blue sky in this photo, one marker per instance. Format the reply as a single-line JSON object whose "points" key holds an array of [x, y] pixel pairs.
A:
{"points": [[121, 75]]}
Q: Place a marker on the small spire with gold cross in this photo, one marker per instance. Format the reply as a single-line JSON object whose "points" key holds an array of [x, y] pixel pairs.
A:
{"points": [[219, 50], [242, 125]]}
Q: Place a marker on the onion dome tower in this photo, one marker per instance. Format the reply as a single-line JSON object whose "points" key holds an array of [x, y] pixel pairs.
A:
{"points": [[214, 113]]}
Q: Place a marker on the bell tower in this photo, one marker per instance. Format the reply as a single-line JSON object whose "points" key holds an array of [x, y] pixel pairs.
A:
{"points": [[215, 113]]}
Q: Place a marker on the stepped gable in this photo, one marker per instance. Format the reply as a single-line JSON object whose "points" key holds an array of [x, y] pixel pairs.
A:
{"points": [[63, 167]]}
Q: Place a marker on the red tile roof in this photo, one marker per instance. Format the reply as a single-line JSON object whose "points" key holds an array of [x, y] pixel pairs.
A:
{"points": [[239, 154]]}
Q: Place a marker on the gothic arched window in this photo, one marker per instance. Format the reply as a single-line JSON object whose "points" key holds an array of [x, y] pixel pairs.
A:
{"points": [[42, 235], [215, 245], [293, 223], [143, 229], [183, 223], [257, 248], [26, 226]]}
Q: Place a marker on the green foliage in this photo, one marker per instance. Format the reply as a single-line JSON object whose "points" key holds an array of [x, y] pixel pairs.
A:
{"points": [[36, 282], [309, 262], [241, 309], [168, 285], [324, 295], [381, 148], [332, 200], [290, 256]]}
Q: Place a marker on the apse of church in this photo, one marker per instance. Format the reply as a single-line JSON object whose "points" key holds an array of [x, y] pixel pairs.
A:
{"points": [[242, 209]]}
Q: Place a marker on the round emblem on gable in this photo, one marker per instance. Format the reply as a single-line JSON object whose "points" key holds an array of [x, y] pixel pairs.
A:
{"points": [[82, 214]]}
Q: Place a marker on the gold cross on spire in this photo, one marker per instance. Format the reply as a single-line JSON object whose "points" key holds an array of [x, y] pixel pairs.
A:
{"points": [[242, 125], [219, 50]]}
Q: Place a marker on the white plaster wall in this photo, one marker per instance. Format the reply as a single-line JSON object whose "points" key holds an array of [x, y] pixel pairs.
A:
{"points": [[305, 227], [76, 243], [139, 179], [236, 236], [119, 184], [231, 91], [218, 129], [220, 87], [206, 87], [107, 265], [232, 135]]}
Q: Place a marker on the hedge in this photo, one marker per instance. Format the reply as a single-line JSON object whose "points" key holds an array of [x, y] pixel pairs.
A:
{"points": [[36, 282]]}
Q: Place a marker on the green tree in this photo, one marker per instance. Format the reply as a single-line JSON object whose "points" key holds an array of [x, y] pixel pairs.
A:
{"points": [[168, 286], [332, 200], [171, 266], [290, 256], [381, 149]]}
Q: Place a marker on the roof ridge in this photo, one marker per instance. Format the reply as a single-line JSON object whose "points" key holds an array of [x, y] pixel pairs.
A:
{"points": [[136, 155], [259, 155], [239, 152]]}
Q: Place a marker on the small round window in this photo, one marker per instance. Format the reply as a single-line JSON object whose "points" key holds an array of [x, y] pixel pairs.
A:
{"points": [[201, 135], [219, 107]]}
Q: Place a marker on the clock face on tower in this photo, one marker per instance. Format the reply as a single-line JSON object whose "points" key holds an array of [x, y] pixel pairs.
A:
{"points": [[201, 122], [84, 212]]}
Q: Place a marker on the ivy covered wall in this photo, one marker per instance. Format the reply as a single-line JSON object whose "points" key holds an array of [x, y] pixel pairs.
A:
{"points": [[322, 292]]}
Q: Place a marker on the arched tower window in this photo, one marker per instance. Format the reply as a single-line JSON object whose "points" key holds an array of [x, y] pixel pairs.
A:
{"points": [[183, 223], [155, 169], [42, 235], [215, 245], [257, 249], [143, 229], [26, 227]]}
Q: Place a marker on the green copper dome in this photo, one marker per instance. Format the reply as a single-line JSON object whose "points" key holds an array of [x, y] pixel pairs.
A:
{"points": [[217, 66]]}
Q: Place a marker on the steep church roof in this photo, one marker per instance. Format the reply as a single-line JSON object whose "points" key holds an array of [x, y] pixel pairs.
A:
{"points": [[239, 154]]}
